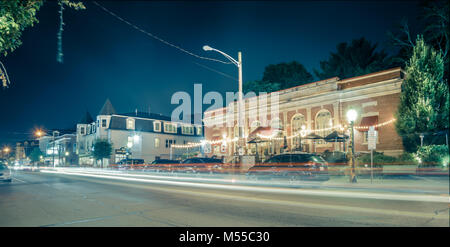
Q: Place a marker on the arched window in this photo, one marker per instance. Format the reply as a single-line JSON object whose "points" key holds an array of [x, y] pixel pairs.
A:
{"points": [[254, 125], [296, 125], [323, 124], [276, 124], [297, 121]]}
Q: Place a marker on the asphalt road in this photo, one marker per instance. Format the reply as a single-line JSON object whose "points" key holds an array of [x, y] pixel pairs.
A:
{"points": [[47, 199]]}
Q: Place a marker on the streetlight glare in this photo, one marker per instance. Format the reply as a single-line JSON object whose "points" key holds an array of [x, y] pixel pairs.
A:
{"points": [[39, 133], [207, 48], [136, 138], [351, 115]]}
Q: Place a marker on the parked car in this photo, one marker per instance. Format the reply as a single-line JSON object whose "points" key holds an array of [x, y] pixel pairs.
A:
{"points": [[336, 157], [5, 173], [292, 166], [200, 165], [161, 165], [130, 164]]}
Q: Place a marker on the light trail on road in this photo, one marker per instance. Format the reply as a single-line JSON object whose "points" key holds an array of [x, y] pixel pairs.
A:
{"points": [[343, 194]]}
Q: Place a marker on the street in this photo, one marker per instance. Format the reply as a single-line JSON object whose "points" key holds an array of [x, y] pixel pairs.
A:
{"points": [[98, 198]]}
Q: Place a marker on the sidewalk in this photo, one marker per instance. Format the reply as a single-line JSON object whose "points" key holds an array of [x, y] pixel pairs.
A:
{"points": [[439, 185]]}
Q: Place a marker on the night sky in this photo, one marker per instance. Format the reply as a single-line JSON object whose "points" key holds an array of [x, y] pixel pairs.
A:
{"points": [[105, 58]]}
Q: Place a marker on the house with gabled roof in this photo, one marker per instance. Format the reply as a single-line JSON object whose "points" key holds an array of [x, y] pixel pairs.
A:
{"points": [[134, 135]]}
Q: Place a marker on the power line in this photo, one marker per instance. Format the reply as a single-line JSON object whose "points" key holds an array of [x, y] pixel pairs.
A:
{"points": [[218, 72], [156, 37]]}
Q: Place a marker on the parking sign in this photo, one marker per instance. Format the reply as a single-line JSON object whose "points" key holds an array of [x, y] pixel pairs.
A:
{"points": [[372, 138]]}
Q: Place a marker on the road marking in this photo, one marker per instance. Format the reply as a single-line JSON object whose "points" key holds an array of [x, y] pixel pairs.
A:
{"points": [[19, 180], [395, 197]]}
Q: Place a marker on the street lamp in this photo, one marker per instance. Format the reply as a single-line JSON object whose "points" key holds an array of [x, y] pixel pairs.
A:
{"points": [[302, 134], [54, 134], [351, 117], [239, 65], [39, 133]]}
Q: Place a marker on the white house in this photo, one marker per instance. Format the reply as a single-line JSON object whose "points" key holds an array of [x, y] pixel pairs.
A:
{"points": [[137, 135]]}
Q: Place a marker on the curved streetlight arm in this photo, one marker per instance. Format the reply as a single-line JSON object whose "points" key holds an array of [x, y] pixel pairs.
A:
{"points": [[225, 55]]}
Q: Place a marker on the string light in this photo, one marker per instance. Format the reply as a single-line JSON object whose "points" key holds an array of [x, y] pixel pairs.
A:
{"points": [[272, 137], [59, 54], [4, 76], [339, 126], [376, 125]]}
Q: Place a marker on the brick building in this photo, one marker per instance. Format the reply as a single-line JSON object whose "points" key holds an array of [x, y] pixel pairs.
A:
{"points": [[319, 108]]}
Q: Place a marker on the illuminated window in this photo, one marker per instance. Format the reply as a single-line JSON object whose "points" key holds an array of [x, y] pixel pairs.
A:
{"points": [[157, 126], [157, 142], [199, 131], [297, 122], [170, 128], [276, 124], [323, 124], [130, 123], [254, 125], [187, 130]]}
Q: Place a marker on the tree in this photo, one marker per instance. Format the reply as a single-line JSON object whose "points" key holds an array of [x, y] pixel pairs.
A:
{"points": [[15, 17], [35, 155], [260, 86], [280, 76], [424, 100], [102, 150], [434, 18], [287, 74], [358, 58]]}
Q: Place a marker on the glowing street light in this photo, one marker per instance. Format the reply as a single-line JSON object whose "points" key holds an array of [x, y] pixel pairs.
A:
{"points": [[302, 134], [39, 133], [240, 106], [351, 117], [136, 138]]}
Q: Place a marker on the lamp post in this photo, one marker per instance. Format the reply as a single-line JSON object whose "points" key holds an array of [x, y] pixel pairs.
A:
{"points": [[55, 132], [351, 117], [38, 134], [302, 134], [240, 106], [6, 151]]}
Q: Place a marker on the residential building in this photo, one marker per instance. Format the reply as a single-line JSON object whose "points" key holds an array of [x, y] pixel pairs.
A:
{"points": [[23, 149], [137, 135], [59, 148]]}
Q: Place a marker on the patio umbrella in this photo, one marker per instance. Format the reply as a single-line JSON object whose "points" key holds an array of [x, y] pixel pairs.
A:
{"points": [[255, 141], [313, 136], [335, 137]]}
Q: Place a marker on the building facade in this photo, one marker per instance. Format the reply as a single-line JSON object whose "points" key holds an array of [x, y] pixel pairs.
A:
{"points": [[308, 112], [23, 149], [137, 135], [61, 150]]}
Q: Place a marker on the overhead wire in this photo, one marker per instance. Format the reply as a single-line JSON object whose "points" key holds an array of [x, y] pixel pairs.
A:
{"points": [[154, 36]]}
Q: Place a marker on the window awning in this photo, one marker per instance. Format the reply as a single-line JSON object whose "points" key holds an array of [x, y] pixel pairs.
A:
{"points": [[366, 122], [265, 131]]}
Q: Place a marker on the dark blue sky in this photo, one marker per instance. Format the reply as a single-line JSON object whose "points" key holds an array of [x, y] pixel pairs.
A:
{"points": [[105, 58]]}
